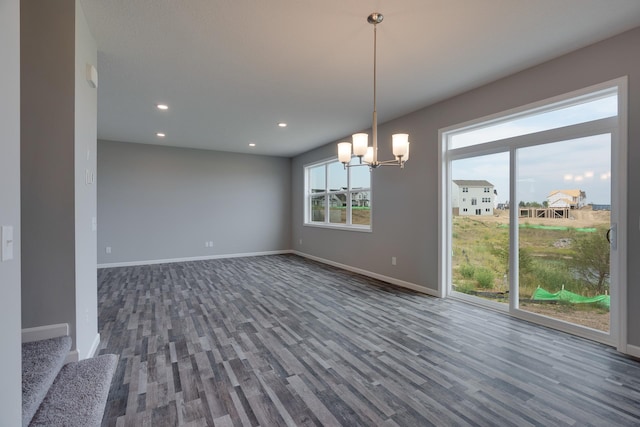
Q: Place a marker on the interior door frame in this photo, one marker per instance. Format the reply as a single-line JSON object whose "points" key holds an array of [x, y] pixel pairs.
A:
{"points": [[617, 127]]}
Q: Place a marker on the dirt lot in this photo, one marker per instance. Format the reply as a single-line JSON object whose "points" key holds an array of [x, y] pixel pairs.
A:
{"points": [[582, 218], [578, 218], [595, 319]]}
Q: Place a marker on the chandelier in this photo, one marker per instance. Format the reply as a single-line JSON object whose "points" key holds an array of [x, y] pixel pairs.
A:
{"points": [[368, 155]]}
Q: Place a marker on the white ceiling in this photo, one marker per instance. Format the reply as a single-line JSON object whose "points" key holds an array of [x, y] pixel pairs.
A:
{"points": [[230, 70]]}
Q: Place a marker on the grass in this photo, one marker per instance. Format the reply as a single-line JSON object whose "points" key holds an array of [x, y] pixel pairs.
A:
{"points": [[480, 250]]}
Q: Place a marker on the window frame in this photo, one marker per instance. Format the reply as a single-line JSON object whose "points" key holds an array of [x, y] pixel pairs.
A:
{"points": [[617, 126], [350, 193]]}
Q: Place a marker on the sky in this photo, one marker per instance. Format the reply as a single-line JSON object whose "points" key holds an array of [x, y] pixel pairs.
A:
{"points": [[580, 164]]}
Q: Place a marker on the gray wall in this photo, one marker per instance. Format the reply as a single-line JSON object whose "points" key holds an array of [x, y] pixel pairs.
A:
{"points": [[160, 203], [405, 221], [47, 169], [58, 122], [10, 357]]}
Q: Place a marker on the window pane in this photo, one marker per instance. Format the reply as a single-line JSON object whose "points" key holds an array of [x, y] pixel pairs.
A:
{"points": [[361, 207], [564, 207], [531, 123], [338, 208], [480, 226], [360, 176], [317, 179], [337, 177], [317, 208]]}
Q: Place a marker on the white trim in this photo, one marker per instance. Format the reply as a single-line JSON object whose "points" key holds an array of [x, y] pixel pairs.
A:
{"points": [[559, 101], [343, 227], [620, 190], [393, 281], [564, 326], [633, 350], [195, 258], [94, 347], [307, 197], [72, 357], [46, 332], [617, 126], [444, 219]]}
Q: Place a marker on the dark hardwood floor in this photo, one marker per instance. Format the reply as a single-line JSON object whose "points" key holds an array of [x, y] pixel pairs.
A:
{"points": [[281, 340]]}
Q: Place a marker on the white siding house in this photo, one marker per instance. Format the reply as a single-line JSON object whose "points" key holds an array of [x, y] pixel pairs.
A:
{"points": [[472, 197], [572, 199]]}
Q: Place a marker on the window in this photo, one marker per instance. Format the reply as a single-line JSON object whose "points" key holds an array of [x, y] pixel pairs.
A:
{"points": [[547, 157], [338, 197], [474, 201], [590, 107], [465, 189]]}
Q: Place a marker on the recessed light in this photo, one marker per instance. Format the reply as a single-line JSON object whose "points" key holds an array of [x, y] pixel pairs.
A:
{"points": [[252, 145], [161, 134], [162, 106], [282, 125]]}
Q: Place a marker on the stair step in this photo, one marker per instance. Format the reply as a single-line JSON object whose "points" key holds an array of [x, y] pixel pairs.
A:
{"points": [[78, 394], [41, 362]]}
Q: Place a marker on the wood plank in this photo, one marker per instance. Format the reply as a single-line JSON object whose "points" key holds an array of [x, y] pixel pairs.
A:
{"points": [[282, 340]]}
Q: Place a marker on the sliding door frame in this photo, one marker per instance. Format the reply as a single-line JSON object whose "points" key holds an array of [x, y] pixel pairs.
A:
{"points": [[617, 128]]}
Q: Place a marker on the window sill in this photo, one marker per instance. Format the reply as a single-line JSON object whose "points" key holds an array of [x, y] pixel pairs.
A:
{"points": [[358, 228]]}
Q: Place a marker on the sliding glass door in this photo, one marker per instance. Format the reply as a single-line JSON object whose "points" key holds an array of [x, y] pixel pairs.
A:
{"points": [[564, 217], [531, 213]]}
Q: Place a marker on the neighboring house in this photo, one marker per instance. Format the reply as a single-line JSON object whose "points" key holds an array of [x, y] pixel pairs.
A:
{"points": [[572, 199], [472, 197]]}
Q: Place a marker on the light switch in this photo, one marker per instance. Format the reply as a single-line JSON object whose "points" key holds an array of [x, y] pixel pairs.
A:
{"points": [[94, 224], [7, 242]]}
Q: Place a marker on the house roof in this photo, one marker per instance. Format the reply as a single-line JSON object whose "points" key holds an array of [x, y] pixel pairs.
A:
{"points": [[472, 183], [572, 193]]}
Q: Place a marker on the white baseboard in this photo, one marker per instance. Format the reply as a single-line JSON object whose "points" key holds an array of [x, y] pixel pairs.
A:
{"points": [[45, 332], [633, 350], [72, 357], [197, 258], [393, 281], [94, 347]]}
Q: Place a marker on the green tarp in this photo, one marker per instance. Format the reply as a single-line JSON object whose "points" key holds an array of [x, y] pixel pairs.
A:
{"points": [[564, 295]]}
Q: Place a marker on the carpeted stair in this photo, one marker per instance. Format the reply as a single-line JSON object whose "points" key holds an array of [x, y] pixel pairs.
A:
{"points": [[55, 394]]}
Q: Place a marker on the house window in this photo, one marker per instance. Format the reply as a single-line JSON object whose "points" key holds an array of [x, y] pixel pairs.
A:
{"points": [[474, 201], [338, 197], [487, 190], [465, 189]]}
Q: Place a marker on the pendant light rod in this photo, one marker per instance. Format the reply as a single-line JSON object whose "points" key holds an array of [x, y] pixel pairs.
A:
{"points": [[374, 19]]}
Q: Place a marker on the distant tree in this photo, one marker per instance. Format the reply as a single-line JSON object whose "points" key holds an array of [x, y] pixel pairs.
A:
{"points": [[591, 260], [524, 204], [500, 249], [545, 204]]}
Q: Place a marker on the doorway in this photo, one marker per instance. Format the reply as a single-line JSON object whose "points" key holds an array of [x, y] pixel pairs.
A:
{"points": [[532, 212]]}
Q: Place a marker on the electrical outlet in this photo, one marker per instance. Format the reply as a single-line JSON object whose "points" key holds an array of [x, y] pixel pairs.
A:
{"points": [[300, 242], [108, 249], [393, 260], [210, 243]]}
